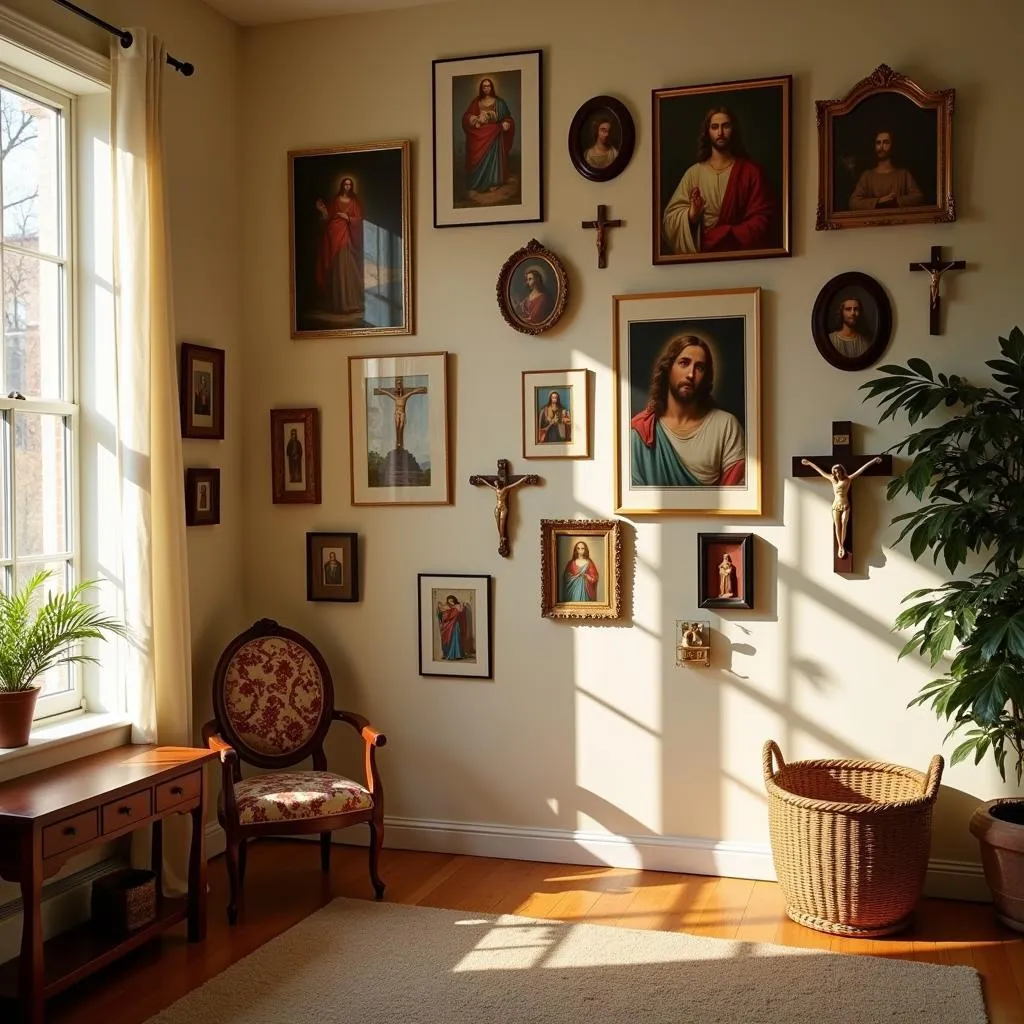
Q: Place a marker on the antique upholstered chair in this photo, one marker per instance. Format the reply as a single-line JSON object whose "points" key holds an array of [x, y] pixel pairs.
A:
{"points": [[274, 702]]}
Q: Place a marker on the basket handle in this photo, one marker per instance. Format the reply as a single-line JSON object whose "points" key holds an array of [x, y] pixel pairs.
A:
{"points": [[771, 748], [931, 786]]}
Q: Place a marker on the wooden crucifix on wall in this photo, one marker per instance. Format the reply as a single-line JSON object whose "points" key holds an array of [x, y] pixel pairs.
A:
{"points": [[601, 223], [501, 484], [936, 268], [840, 469]]}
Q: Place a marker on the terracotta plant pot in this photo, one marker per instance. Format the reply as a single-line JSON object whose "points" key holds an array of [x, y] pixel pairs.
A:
{"points": [[999, 827], [16, 712]]}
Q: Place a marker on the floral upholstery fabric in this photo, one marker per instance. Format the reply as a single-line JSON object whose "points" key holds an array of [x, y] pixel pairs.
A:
{"points": [[288, 796], [274, 695]]}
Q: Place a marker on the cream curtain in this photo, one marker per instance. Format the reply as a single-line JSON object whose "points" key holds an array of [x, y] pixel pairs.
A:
{"points": [[158, 676]]}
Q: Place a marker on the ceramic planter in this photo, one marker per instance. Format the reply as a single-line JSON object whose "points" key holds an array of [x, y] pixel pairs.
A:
{"points": [[16, 712], [999, 828]]}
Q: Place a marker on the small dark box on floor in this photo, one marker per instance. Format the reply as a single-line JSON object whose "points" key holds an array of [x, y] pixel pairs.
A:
{"points": [[123, 901]]}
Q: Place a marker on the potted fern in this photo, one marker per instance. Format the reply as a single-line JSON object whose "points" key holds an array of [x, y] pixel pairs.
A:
{"points": [[35, 638], [967, 471]]}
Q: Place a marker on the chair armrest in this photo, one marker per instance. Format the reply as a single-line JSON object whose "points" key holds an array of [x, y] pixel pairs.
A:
{"points": [[231, 769], [374, 737]]}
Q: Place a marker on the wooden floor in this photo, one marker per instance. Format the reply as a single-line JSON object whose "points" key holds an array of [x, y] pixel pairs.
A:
{"points": [[285, 884]]}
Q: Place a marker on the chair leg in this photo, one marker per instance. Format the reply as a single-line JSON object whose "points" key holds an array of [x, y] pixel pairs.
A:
{"points": [[243, 859], [231, 855], [325, 851], [376, 844]]}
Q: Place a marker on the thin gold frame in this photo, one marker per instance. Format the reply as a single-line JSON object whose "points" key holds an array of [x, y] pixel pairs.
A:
{"points": [[580, 426], [610, 532]]}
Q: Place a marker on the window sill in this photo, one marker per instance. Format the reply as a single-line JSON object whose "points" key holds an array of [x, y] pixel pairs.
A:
{"points": [[65, 738]]}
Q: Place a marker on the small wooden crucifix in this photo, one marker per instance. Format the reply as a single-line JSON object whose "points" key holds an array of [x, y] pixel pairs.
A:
{"points": [[601, 224], [501, 484], [840, 468], [936, 268]]}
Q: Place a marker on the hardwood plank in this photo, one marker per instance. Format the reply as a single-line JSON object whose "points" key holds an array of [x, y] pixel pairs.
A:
{"points": [[725, 907], [760, 920]]}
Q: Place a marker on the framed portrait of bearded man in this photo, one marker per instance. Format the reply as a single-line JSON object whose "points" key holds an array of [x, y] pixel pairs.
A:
{"points": [[687, 383], [722, 171]]}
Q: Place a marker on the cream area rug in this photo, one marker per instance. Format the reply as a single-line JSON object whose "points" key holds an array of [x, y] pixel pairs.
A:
{"points": [[384, 963]]}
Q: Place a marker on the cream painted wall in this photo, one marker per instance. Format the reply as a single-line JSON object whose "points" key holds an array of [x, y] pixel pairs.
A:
{"points": [[592, 727]]}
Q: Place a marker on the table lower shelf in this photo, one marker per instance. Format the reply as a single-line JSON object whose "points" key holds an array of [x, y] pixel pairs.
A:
{"points": [[80, 951]]}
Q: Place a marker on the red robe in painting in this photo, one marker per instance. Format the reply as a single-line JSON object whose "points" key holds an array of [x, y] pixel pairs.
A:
{"points": [[748, 212], [341, 237]]}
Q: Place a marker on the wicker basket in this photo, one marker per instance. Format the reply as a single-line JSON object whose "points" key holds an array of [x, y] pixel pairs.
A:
{"points": [[850, 840], [123, 901]]}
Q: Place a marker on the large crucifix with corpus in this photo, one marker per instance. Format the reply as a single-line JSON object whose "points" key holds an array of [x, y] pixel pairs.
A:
{"points": [[840, 469], [936, 268], [501, 484]]}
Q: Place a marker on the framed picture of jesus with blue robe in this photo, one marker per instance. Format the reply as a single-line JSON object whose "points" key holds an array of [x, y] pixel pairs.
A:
{"points": [[687, 403]]}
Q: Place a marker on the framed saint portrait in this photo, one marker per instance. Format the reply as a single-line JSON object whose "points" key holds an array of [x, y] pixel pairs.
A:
{"points": [[488, 166], [851, 322], [556, 414], [580, 568], [687, 382], [202, 497], [722, 171], [350, 224], [533, 289], [601, 138], [398, 429], [885, 154], [295, 456], [201, 391], [725, 570], [455, 629], [332, 567]]}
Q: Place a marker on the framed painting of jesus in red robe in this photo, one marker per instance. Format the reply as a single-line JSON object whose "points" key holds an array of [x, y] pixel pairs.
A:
{"points": [[722, 171]]}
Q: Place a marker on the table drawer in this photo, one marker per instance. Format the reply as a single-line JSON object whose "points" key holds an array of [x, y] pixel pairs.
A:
{"points": [[69, 833], [178, 791], [129, 810]]}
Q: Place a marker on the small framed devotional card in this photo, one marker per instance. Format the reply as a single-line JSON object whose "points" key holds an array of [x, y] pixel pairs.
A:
{"points": [[295, 456], [455, 630], [556, 414]]}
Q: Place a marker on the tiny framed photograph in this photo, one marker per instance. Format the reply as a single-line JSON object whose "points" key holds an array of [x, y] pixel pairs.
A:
{"points": [[202, 497], [332, 566], [885, 154], [728, 196], [455, 630], [533, 289], [350, 224], [488, 165], [398, 429], [851, 321], [202, 391], [581, 568], [601, 138], [725, 570], [556, 414], [687, 380], [295, 456]]}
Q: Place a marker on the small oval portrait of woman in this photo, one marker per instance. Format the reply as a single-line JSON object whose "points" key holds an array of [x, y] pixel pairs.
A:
{"points": [[852, 321], [532, 289], [601, 138]]}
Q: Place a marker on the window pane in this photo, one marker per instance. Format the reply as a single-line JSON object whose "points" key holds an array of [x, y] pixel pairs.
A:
{"points": [[59, 679], [33, 315], [29, 135], [40, 484]]}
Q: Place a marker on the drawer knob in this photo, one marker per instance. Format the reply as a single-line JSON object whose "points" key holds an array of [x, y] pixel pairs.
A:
{"points": [[124, 810], [71, 831], [176, 790]]}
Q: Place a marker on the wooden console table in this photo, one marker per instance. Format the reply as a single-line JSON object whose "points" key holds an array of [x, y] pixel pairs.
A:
{"points": [[51, 815]]}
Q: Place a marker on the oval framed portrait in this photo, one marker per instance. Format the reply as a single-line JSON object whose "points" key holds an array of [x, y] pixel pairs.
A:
{"points": [[852, 321], [601, 138], [532, 289]]}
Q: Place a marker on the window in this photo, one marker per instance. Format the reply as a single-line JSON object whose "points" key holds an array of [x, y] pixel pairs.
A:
{"points": [[38, 411]]}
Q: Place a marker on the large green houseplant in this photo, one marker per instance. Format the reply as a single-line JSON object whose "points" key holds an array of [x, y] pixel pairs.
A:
{"points": [[967, 471], [35, 637]]}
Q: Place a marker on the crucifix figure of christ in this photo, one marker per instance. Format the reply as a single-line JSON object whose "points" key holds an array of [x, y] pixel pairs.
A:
{"points": [[936, 268], [501, 484], [841, 468], [601, 223], [399, 394]]}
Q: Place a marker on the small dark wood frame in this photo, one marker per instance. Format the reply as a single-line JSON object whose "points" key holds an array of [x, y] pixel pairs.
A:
{"points": [[316, 589], [533, 251], [710, 548], [820, 322], [194, 516], [885, 80], [578, 145], [218, 735], [310, 420], [190, 354]]}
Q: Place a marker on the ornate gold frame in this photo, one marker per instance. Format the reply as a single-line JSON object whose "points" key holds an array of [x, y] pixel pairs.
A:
{"points": [[533, 251], [885, 80], [609, 567]]}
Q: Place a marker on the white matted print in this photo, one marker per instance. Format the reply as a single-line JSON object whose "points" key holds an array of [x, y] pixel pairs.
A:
{"points": [[455, 625], [556, 414]]}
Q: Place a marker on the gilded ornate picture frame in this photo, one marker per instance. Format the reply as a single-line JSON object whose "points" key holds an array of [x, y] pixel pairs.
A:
{"points": [[532, 289], [581, 568]]}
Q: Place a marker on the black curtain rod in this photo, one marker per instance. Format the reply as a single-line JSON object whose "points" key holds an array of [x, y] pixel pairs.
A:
{"points": [[126, 37]]}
